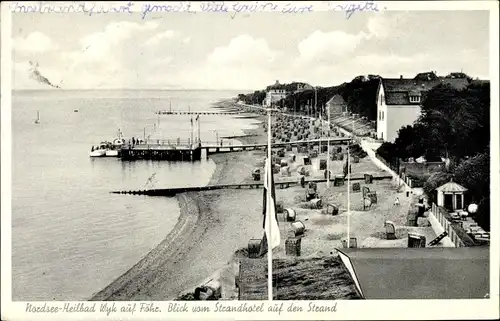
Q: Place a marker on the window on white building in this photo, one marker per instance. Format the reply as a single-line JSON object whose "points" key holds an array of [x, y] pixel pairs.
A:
{"points": [[414, 99], [382, 115]]}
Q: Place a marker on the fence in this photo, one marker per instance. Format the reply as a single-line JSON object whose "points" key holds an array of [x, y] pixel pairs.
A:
{"points": [[455, 232], [421, 169], [183, 142], [410, 180]]}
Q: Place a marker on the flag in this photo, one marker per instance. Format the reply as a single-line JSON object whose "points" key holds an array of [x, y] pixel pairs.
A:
{"points": [[197, 117], [191, 120], [269, 208]]}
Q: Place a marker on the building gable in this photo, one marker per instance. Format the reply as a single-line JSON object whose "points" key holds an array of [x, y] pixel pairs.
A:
{"points": [[403, 91]]}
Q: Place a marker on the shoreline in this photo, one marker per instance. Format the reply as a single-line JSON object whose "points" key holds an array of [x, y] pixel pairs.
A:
{"points": [[141, 280]]}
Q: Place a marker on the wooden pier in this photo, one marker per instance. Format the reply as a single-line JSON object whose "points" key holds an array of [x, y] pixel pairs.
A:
{"points": [[251, 185], [185, 151], [161, 152]]}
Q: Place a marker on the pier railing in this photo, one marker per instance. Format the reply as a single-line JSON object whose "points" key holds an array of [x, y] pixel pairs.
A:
{"points": [[180, 142]]}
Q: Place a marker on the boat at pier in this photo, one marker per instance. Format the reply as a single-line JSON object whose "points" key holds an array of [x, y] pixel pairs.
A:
{"points": [[100, 150], [109, 149]]}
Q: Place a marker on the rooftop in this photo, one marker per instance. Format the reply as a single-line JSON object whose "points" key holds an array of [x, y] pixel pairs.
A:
{"points": [[398, 90], [337, 100], [421, 273], [451, 187]]}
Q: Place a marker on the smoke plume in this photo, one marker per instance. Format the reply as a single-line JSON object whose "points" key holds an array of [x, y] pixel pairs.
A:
{"points": [[36, 75]]}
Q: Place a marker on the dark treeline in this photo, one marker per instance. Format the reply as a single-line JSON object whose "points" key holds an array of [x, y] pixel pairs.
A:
{"points": [[454, 125], [359, 94], [254, 98]]}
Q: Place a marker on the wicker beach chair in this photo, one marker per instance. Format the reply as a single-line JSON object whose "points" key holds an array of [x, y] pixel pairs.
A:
{"points": [[390, 230]]}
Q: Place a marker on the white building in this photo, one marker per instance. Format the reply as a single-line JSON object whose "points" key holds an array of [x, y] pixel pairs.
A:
{"points": [[274, 94], [399, 101]]}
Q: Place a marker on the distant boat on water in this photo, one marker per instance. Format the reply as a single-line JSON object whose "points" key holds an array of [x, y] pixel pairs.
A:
{"points": [[37, 120]]}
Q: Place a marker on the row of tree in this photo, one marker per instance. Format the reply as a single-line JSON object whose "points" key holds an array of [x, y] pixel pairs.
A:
{"points": [[359, 94], [454, 125]]}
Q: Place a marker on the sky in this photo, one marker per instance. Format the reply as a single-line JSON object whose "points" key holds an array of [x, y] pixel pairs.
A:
{"points": [[247, 52]]}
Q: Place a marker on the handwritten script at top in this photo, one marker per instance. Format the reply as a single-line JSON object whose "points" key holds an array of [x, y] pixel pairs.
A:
{"points": [[145, 9]]}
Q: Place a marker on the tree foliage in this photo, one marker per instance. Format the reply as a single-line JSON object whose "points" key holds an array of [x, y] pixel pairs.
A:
{"points": [[454, 124], [474, 174], [359, 94], [255, 98]]}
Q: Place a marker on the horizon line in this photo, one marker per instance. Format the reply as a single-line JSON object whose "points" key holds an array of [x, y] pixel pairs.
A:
{"points": [[150, 89]]}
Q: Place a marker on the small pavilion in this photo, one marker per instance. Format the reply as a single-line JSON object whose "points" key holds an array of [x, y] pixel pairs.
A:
{"points": [[451, 196]]}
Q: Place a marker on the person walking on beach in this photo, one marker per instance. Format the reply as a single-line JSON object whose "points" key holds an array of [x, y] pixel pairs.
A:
{"points": [[133, 141]]}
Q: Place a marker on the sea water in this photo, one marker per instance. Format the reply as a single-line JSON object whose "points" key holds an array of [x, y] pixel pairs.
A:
{"points": [[70, 236]]}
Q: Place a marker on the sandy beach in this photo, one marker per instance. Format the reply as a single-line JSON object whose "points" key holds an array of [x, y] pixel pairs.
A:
{"points": [[213, 225]]}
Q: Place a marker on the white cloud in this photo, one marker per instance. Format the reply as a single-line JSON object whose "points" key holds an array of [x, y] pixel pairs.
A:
{"points": [[163, 61], [325, 46], [35, 42], [186, 40], [105, 56], [100, 44], [243, 50], [224, 77], [384, 25], [156, 39]]}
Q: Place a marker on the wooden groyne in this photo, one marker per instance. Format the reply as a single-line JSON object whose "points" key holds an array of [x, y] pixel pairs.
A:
{"points": [[251, 185]]}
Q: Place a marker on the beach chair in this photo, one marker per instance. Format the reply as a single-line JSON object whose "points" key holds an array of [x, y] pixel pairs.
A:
{"points": [[369, 194], [256, 174], [416, 240], [310, 194], [292, 246], [353, 243], [390, 230], [332, 209], [302, 181], [367, 203], [322, 164], [254, 248]]}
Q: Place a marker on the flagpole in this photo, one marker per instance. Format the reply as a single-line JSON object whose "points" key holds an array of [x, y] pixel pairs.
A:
{"points": [[348, 187], [268, 217], [191, 142], [328, 153], [199, 135], [348, 195]]}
